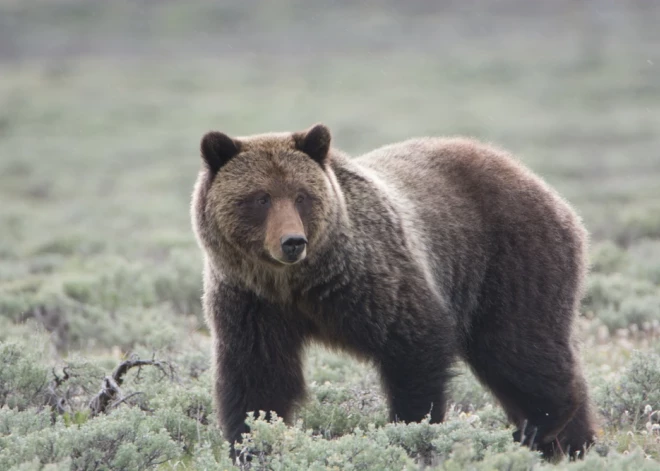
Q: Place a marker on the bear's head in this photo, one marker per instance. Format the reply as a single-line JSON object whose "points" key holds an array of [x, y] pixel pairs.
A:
{"points": [[265, 199]]}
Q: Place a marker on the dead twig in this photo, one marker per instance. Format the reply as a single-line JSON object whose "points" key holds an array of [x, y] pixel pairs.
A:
{"points": [[124, 399], [110, 395], [57, 403]]}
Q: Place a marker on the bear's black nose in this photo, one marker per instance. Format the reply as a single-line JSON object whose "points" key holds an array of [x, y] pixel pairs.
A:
{"points": [[293, 245]]}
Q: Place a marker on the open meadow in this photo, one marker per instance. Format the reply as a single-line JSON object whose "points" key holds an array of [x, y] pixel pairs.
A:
{"points": [[102, 108]]}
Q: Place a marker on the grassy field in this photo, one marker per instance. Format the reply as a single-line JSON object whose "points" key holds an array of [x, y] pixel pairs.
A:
{"points": [[102, 106]]}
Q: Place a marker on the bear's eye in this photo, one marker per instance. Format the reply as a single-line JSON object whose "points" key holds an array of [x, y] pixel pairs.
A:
{"points": [[263, 200], [300, 199]]}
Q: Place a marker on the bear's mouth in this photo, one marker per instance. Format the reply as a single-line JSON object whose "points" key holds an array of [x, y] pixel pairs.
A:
{"points": [[283, 260]]}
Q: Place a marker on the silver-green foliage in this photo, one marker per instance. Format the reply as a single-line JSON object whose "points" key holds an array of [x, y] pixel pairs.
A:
{"points": [[23, 379], [127, 439], [633, 399]]}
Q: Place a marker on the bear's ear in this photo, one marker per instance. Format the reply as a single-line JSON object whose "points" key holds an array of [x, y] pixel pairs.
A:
{"points": [[314, 142], [218, 149]]}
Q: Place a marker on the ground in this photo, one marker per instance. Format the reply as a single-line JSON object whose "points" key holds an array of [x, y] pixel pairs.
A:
{"points": [[102, 106]]}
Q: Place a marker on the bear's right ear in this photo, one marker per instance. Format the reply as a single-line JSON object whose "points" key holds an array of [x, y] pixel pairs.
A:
{"points": [[218, 149]]}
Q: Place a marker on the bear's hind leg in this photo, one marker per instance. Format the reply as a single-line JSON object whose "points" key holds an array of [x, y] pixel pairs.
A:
{"points": [[574, 437], [537, 381]]}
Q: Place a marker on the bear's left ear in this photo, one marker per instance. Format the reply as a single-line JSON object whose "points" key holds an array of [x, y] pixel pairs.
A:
{"points": [[314, 142], [217, 148]]}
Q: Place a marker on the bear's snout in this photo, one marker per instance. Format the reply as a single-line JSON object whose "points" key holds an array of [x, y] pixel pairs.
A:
{"points": [[293, 246]]}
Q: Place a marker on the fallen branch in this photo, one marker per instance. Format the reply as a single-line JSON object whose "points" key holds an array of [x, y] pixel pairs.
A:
{"points": [[124, 399], [57, 403], [111, 396]]}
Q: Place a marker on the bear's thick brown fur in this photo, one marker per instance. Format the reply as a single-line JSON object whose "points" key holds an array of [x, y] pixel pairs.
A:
{"points": [[410, 256]]}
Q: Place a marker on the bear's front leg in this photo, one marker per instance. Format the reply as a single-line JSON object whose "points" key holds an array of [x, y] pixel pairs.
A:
{"points": [[258, 364]]}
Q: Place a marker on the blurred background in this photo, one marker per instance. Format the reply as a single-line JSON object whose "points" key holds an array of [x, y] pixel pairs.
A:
{"points": [[102, 108], [103, 104]]}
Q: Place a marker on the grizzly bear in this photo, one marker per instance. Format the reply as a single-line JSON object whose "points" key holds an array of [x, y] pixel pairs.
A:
{"points": [[410, 257]]}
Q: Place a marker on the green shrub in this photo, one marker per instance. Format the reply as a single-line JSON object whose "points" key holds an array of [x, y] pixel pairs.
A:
{"points": [[112, 287], [35, 465], [69, 245], [335, 409], [471, 431], [208, 457], [435, 442], [633, 310], [630, 399], [466, 392], [273, 445], [324, 365], [121, 304], [619, 300], [611, 290], [645, 260], [607, 257], [23, 422], [23, 380], [126, 439], [194, 361], [638, 223], [187, 413], [615, 461], [179, 282], [512, 458]]}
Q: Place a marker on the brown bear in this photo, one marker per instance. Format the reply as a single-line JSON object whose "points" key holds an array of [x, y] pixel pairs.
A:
{"points": [[411, 256]]}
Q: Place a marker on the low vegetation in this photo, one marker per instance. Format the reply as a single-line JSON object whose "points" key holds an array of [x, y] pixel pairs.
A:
{"points": [[98, 265]]}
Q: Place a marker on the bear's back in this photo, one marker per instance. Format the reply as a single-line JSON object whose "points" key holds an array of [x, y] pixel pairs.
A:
{"points": [[472, 207], [470, 184]]}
